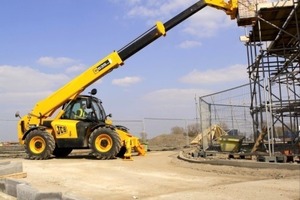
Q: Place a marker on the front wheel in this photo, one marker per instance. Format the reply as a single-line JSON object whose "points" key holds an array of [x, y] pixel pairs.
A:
{"points": [[39, 145], [104, 143]]}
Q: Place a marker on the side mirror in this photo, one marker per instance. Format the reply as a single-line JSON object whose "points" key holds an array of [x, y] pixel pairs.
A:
{"points": [[17, 114], [93, 91], [109, 115]]}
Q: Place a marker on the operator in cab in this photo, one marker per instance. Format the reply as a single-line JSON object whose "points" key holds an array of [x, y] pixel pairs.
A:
{"points": [[81, 112]]}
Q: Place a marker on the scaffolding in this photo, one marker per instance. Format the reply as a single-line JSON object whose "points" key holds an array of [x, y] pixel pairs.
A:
{"points": [[273, 52]]}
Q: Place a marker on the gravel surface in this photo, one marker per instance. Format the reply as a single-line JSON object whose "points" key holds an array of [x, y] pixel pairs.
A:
{"points": [[158, 175]]}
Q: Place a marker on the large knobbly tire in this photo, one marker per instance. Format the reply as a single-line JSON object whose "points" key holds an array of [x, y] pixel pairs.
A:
{"points": [[61, 152], [39, 145], [104, 143]]}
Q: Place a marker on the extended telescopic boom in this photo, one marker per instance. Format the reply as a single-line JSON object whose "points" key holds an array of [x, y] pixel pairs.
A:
{"points": [[71, 90]]}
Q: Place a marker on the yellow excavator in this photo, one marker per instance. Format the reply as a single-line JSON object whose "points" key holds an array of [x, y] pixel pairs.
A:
{"points": [[80, 121]]}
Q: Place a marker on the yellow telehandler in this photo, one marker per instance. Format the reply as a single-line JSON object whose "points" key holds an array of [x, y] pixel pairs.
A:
{"points": [[81, 122]]}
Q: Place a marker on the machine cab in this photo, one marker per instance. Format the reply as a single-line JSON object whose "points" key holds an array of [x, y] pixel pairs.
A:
{"points": [[86, 108]]}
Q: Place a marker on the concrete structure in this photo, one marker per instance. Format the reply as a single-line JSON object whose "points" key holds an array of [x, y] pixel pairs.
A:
{"points": [[11, 188]]}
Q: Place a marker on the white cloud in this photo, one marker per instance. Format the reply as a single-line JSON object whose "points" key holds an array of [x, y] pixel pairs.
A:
{"points": [[169, 96], [55, 62], [76, 68], [20, 85], [156, 8], [127, 2], [173, 102], [126, 81], [133, 1], [142, 11], [189, 44], [70, 66], [207, 23], [173, 6], [233, 73], [20, 79]]}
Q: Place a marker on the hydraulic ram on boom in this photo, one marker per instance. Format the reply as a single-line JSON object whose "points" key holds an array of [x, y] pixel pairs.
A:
{"points": [[43, 137]]}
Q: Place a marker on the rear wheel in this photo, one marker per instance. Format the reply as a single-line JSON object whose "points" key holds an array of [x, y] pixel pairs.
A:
{"points": [[39, 145], [104, 143]]}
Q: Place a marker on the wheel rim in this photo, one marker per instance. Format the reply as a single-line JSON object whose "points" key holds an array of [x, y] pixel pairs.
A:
{"points": [[37, 145], [103, 143]]}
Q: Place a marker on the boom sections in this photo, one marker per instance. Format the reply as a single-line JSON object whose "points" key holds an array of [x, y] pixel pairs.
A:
{"points": [[230, 8], [71, 90]]}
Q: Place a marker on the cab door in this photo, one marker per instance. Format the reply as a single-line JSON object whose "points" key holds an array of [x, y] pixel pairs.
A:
{"points": [[69, 130]]}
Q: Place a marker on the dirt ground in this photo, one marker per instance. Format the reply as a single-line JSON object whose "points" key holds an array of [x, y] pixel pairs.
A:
{"points": [[158, 175]]}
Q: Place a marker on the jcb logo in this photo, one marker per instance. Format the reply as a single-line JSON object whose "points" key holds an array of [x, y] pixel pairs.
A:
{"points": [[102, 66], [61, 130]]}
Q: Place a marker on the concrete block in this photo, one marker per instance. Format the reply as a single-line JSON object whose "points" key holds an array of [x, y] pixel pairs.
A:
{"points": [[26, 192], [266, 159], [11, 187], [71, 197], [281, 159], [11, 168], [2, 185], [271, 159], [4, 163], [48, 196]]}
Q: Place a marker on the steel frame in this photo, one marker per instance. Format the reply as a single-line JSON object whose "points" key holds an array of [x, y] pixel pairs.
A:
{"points": [[273, 53]]}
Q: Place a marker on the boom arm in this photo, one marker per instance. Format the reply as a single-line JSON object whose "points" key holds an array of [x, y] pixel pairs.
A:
{"points": [[71, 90]]}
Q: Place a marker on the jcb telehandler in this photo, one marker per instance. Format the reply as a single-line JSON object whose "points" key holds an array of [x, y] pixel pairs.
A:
{"points": [[75, 128]]}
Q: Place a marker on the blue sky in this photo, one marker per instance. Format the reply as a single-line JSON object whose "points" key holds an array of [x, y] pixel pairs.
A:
{"points": [[44, 44]]}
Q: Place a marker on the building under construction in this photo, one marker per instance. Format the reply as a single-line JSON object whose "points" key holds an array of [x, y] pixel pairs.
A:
{"points": [[273, 51]]}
